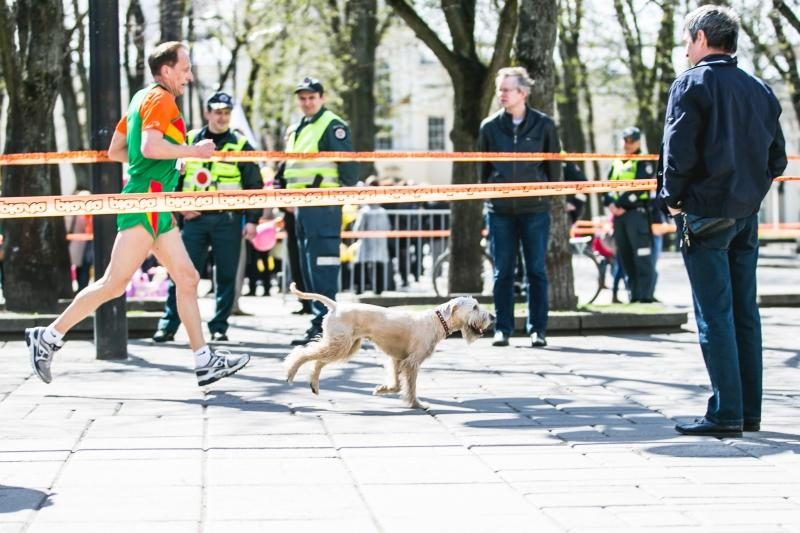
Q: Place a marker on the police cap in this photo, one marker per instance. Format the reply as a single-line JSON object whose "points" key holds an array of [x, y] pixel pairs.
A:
{"points": [[220, 100], [309, 84], [631, 133]]}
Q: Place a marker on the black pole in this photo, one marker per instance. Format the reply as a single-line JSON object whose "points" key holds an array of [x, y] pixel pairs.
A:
{"points": [[110, 321]]}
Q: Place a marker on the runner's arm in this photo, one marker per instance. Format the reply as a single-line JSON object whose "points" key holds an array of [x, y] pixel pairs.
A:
{"points": [[155, 146], [118, 149]]}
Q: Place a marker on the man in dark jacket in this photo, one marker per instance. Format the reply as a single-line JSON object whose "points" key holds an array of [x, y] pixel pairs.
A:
{"points": [[511, 221], [723, 146]]}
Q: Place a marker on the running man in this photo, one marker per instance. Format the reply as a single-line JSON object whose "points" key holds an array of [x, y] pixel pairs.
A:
{"points": [[150, 138]]}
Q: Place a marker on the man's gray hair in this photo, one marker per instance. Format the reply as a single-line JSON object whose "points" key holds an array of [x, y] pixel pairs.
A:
{"points": [[524, 81], [719, 23]]}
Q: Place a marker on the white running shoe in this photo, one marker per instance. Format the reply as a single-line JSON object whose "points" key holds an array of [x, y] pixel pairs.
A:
{"points": [[41, 352], [221, 365]]}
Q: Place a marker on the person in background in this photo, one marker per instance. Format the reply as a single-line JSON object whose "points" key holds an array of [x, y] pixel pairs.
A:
{"points": [[575, 202], [373, 252], [723, 146], [518, 127], [81, 247], [221, 230], [631, 212], [318, 228]]}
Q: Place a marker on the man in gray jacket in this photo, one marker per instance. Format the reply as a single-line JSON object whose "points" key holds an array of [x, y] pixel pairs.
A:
{"points": [[519, 128]]}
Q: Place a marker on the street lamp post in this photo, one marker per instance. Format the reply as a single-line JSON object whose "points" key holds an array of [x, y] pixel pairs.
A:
{"points": [[110, 320]]}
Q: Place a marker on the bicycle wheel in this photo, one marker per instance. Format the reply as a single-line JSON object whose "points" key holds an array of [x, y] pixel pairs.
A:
{"points": [[586, 273], [441, 273]]}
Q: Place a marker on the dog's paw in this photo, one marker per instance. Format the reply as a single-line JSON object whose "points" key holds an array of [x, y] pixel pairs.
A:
{"points": [[385, 389], [416, 404], [314, 388]]}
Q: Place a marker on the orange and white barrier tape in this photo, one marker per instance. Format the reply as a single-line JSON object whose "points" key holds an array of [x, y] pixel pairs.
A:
{"points": [[99, 156], [108, 204]]}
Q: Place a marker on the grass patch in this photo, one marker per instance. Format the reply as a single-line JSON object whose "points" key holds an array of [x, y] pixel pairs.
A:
{"points": [[638, 308]]}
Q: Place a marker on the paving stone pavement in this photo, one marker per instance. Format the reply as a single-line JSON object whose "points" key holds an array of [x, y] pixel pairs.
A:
{"points": [[577, 437]]}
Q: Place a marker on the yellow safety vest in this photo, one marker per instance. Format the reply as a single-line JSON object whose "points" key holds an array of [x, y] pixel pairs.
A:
{"points": [[301, 174], [626, 170], [223, 176]]}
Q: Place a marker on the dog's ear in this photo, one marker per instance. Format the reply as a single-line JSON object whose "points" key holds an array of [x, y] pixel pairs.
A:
{"points": [[447, 309]]}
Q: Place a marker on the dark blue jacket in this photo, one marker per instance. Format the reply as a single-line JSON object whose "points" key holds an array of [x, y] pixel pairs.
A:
{"points": [[536, 133], [723, 144]]}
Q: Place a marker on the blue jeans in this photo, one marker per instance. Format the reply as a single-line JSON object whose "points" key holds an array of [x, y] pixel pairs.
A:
{"points": [[722, 273], [505, 234], [318, 239]]}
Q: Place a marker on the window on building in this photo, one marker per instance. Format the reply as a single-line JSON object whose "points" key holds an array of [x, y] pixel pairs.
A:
{"points": [[435, 133], [383, 137]]}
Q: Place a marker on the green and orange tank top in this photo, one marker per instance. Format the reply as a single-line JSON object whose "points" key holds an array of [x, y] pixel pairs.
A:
{"points": [[151, 108]]}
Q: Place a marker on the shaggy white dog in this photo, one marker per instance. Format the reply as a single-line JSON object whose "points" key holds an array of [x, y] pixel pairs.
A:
{"points": [[408, 339]]}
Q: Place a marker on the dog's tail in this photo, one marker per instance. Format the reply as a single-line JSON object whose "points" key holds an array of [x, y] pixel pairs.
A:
{"points": [[330, 304]]}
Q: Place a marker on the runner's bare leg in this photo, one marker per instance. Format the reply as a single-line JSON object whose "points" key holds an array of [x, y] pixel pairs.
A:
{"points": [[130, 250], [172, 254]]}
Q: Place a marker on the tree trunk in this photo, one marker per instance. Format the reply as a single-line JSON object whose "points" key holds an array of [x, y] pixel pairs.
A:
{"points": [[791, 75], [466, 217], [171, 22], [587, 102], [664, 74], [473, 86], [134, 46], [71, 110], [571, 125], [359, 77], [536, 40], [648, 82], [31, 47]]}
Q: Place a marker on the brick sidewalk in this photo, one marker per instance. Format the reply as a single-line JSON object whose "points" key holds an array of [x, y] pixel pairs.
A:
{"points": [[576, 437]]}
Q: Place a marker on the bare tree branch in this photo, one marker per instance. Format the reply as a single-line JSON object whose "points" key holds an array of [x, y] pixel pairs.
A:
{"points": [[787, 13], [502, 48], [426, 35], [460, 21]]}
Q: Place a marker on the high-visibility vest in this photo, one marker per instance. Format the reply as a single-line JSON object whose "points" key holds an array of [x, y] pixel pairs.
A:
{"points": [[626, 170], [301, 174], [216, 175]]}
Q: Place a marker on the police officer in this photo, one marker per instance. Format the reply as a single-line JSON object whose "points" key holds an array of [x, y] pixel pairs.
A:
{"points": [[222, 230], [318, 228], [631, 210]]}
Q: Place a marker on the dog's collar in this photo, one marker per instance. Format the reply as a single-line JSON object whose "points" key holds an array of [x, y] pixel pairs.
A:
{"points": [[444, 324]]}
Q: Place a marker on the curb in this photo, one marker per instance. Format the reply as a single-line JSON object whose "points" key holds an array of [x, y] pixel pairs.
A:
{"points": [[580, 322]]}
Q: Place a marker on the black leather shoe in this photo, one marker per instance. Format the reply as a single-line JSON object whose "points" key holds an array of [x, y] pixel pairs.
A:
{"points": [[311, 335], [163, 336], [219, 336], [752, 426], [705, 428]]}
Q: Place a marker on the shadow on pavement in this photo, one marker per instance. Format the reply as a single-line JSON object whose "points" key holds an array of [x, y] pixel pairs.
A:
{"points": [[14, 499]]}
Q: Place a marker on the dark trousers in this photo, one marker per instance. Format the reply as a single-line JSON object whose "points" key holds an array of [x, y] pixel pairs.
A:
{"points": [[223, 232], [722, 273], [634, 252], [318, 239], [505, 234], [293, 254]]}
